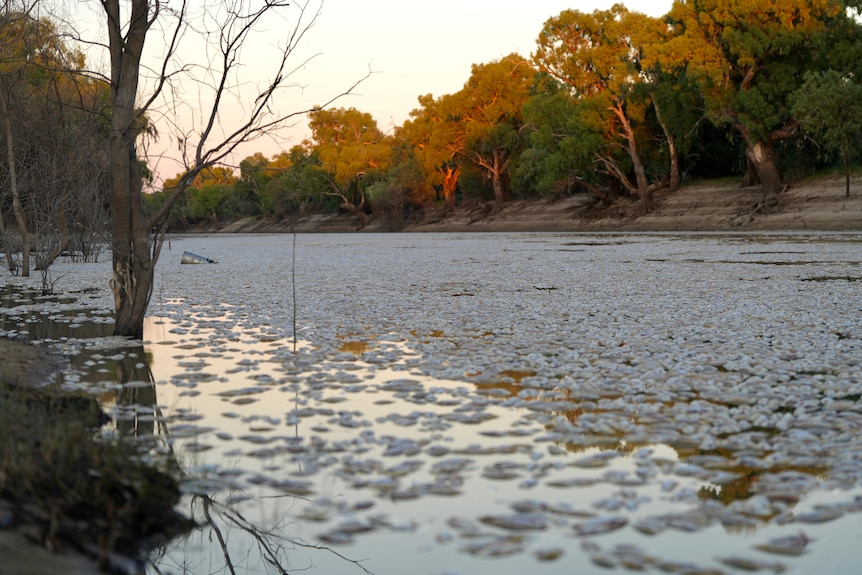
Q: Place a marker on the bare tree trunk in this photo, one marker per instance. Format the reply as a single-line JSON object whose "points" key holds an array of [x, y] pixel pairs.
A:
{"points": [[132, 278], [761, 156], [500, 177], [137, 241], [671, 146], [643, 189], [13, 188], [7, 245]]}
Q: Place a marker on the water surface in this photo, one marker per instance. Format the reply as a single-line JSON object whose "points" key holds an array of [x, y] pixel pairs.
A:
{"points": [[464, 403]]}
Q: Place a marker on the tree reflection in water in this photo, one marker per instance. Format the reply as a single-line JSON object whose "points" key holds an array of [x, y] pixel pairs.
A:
{"points": [[137, 416], [217, 521]]}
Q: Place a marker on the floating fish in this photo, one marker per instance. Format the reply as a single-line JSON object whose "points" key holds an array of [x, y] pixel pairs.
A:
{"points": [[517, 522], [790, 545], [600, 525], [747, 564]]}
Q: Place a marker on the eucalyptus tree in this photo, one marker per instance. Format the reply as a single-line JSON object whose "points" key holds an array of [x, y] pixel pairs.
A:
{"points": [[433, 130], [563, 138], [353, 153], [490, 109], [828, 108], [205, 135], [598, 56], [297, 184], [746, 58]]}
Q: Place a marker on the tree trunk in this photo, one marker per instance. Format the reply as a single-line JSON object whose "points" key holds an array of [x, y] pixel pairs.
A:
{"points": [[133, 264], [643, 191], [13, 187], [671, 146], [500, 177], [846, 158], [7, 245], [450, 183], [761, 156]]}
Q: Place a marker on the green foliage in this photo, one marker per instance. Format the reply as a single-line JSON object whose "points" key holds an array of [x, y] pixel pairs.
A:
{"points": [[828, 108], [349, 144], [299, 186], [205, 202], [745, 57], [608, 94], [563, 140]]}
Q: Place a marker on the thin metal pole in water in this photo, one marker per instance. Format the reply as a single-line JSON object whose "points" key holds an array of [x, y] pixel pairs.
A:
{"points": [[293, 283]]}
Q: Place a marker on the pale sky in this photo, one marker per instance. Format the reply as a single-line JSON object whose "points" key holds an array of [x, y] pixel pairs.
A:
{"points": [[418, 48], [412, 48]]}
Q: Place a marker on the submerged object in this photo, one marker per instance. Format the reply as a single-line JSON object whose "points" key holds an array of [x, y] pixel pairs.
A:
{"points": [[190, 258]]}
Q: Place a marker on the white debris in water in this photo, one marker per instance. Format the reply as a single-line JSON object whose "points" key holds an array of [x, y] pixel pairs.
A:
{"points": [[656, 384]]}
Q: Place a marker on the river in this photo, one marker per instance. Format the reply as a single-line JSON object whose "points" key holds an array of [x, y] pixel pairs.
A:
{"points": [[492, 403]]}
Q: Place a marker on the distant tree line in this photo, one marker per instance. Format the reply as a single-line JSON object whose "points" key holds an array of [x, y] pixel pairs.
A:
{"points": [[612, 103]]}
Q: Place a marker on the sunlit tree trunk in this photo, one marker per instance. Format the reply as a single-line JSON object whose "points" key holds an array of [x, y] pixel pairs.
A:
{"points": [[13, 188], [450, 183], [643, 189]]}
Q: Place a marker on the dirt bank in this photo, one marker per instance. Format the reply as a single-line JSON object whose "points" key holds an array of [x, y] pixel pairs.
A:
{"points": [[63, 492], [816, 204], [19, 554]]}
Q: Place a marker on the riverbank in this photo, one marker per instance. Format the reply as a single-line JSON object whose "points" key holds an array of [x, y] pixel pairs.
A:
{"points": [[19, 555], [69, 503], [815, 204]]}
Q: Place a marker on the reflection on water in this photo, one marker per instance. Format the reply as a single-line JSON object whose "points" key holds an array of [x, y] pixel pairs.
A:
{"points": [[350, 468], [471, 443]]}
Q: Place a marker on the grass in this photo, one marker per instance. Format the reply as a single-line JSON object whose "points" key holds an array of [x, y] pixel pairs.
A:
{"points": [[72, 488]]}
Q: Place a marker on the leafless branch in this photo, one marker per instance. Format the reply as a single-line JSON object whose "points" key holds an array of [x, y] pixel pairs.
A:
{"points": [[261, 119]]}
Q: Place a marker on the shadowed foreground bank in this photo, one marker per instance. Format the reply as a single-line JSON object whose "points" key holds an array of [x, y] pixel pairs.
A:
{"points": [[69, 504]]}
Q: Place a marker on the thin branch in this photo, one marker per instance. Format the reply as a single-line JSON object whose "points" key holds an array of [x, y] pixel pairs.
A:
{"points": [[214, 527]]}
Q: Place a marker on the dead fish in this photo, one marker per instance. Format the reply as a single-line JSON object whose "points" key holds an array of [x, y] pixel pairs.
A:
{"points": [[548, 554], [820, 515], [597, 460], [599, 525], [603, 560], [517, 522], [464, 527], [790, 545], [751, 564], [352, 527], [336, 537], [497, 547], [650, 526]]}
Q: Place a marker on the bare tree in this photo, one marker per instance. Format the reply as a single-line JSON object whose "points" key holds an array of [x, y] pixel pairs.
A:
{"points": [[14, 48], [55, 151], [225, 28]]}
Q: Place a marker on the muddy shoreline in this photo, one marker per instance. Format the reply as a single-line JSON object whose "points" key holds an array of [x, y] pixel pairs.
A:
{"points": [[818, 204], [54, 518]]}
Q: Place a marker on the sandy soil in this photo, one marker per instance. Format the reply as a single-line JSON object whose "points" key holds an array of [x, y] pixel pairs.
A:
{"points": [[817, 204]]}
